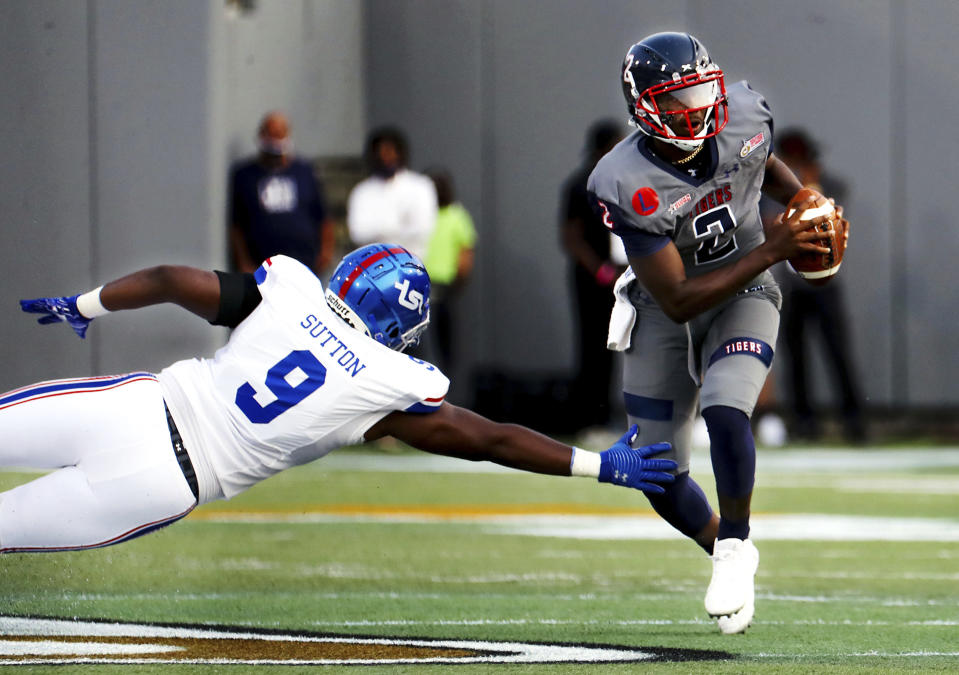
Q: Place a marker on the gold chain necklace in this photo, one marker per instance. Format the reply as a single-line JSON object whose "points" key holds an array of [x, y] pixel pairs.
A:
{"points": [[691, 156]]}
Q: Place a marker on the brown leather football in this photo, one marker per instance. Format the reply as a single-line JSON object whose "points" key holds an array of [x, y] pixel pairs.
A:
{"points": [[819, 268]]}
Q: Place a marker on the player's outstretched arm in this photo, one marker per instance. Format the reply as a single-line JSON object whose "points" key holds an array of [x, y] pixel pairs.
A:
{"points": [[193, 289], [458, 432]]}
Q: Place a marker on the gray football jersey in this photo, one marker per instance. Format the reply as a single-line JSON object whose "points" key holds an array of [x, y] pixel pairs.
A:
{"points": [[713, 219]]}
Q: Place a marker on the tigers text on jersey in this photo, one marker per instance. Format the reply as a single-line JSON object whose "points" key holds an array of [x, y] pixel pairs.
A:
{"points": [[293, 383], [713, 218]]}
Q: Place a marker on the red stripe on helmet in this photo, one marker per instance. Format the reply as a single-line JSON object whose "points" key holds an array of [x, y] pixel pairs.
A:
{"points": [[365, 263]]}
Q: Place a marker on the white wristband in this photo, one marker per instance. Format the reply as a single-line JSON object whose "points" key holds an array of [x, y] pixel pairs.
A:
{"points": [[89, 304], [584, 463]]}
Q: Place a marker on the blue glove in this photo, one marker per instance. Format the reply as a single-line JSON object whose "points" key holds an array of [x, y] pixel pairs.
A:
{"points": [[624, 465], [55, 310]]}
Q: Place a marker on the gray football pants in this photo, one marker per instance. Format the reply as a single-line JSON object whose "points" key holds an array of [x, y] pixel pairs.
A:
{"points": [[671, 370]]}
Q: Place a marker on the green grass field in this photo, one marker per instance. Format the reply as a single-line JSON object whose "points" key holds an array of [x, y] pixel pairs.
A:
{"points": [[859, 570]]}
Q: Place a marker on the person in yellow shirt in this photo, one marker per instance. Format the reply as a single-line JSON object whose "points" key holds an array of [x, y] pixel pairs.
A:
{"points": [[449, 261]]}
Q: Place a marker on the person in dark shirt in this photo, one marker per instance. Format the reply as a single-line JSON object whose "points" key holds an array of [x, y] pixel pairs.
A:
{"points": [[587, 242], [277, 205], [816, 316]]}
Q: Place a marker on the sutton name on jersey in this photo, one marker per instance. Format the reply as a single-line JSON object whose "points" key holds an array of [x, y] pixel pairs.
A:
{"points": [[348, 360]]}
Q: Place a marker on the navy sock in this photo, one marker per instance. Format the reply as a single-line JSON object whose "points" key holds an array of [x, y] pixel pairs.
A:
{"points": [[733, 454], [683, 505], [733, 529]]}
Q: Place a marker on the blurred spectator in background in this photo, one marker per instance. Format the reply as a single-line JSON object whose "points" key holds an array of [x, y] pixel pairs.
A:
{"points": [[596, 260], [816, 312], [449, 261], [393, 203], [277, 205]]}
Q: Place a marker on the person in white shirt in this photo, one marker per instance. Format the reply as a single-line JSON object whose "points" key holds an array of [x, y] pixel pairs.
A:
{"points": [[394, 203], [306, 370]]}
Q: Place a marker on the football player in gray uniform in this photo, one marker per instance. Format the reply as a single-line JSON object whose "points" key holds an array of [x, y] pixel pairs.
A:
{"points": [[698, 311]]}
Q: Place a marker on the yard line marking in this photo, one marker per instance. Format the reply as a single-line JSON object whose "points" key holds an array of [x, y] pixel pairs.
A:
{"points": [[575, 524], [514, 622], [904, 654], [388, 623], [898, 575]]}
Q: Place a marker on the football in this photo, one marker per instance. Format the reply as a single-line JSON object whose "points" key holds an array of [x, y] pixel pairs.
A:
{"points": [[819, 268]]}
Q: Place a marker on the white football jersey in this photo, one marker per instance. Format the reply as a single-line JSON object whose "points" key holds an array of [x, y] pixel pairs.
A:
{"points": [[293, 383]]}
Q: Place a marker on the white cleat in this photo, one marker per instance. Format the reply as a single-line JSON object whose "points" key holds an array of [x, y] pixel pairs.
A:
{"points": [[734, 568], [738, 622]]}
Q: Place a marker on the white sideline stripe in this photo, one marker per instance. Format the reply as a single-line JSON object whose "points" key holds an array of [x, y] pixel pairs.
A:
{"points": [[885, 485], [784, 527], [816, 460]]}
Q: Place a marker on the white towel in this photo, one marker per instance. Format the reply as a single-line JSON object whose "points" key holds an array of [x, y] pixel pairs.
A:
{"points": [[623, 317]]}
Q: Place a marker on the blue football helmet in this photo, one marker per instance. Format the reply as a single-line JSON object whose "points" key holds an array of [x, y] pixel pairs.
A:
{"points": [[382, 291]]}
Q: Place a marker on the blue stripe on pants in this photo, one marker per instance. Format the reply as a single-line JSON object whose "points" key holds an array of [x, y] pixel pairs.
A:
{"points": [[658, 409]]}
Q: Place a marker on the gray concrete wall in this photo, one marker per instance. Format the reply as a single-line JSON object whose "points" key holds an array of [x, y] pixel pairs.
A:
{"points": [[45, 187], [122, 117], [502, 92]]}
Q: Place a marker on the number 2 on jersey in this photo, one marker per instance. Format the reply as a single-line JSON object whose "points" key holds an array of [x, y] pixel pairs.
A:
{"points": [[286, 394], [714, 224]]}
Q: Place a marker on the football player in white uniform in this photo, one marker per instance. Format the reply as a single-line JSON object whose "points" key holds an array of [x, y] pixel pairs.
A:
{"points": [[305, 372]]}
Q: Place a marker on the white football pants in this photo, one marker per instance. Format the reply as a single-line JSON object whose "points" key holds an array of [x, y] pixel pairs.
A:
{"points": [[114, 474]]}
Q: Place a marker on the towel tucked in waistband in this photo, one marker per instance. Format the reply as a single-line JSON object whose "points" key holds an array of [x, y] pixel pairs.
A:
{"points": [[623, 317]]}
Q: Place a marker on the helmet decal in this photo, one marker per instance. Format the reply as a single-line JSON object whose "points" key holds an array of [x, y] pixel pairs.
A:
{"points": [[409, 299]]}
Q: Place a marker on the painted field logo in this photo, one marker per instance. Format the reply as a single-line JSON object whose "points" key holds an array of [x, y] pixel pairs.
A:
{"points": [[42, 641]]}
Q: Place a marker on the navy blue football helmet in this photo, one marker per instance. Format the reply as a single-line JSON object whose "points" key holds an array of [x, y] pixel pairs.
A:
{"points": [[384, 292], [673, 90]]}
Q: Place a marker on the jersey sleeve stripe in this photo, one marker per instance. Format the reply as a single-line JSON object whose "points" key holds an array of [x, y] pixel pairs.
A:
{"points": [[428, 405], [260, 273]]}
